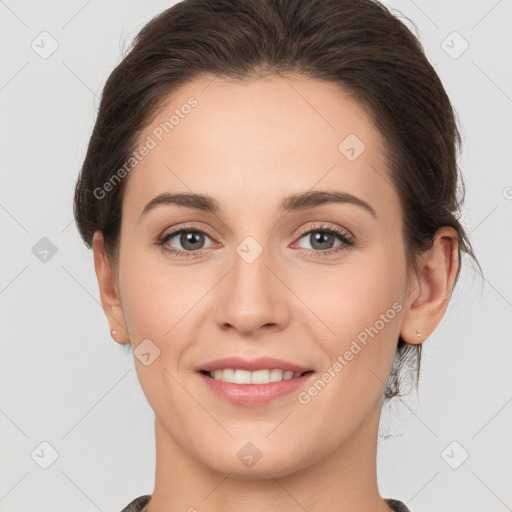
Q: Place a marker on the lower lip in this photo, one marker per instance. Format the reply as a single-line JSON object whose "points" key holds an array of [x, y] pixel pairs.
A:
{"points": [[253, 394]]}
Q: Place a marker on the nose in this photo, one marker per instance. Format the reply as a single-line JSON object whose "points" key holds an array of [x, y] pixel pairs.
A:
{"points": [[252, 297]]}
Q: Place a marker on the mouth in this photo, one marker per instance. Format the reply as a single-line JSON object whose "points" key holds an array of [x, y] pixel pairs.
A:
{"points": [[253, 388], [253, 382], [264, 376]]}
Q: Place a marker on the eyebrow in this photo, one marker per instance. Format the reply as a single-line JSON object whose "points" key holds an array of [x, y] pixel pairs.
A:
{"points": [[296, 202]]}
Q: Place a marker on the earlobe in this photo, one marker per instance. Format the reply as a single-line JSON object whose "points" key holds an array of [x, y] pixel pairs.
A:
{"points": [[430, 290], [109, 292]]}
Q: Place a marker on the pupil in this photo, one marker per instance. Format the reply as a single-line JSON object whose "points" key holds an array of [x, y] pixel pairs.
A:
{"points": [[188, 239], [321, 238]]}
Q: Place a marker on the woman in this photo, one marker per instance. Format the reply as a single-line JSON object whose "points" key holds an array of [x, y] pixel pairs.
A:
{"points": [[233, 142]]}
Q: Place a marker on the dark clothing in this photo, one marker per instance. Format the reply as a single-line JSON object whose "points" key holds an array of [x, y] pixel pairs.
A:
{"points": [[397, 505], [139, 503]]}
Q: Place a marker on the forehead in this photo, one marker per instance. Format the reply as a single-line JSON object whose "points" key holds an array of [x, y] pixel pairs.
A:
{"points": [[251, 143]]}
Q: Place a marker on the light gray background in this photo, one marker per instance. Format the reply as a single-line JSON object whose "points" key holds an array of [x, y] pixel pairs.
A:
{"points": [[65, 382]]}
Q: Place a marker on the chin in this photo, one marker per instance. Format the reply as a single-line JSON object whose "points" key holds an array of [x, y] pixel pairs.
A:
{"points": [[246, 461]]}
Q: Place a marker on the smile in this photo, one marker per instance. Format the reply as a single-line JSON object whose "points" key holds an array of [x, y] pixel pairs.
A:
{"points": [[265, 376], [253, 394]]}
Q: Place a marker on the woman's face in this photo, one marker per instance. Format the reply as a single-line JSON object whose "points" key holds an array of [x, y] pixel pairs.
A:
{"points": [[263, 276]]}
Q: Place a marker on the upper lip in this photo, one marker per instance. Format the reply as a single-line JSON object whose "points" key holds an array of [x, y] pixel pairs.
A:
{"points": [[261, 363]]}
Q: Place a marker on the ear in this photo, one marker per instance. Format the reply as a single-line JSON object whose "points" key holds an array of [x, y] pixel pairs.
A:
{"points": [[430, 289], [109, 292]]}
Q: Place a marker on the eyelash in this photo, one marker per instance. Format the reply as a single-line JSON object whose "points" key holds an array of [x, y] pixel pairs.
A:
{"points": [[347, 240]]}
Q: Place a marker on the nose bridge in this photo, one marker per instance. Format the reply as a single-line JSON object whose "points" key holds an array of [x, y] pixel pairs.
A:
{"points": [[251, 296]]}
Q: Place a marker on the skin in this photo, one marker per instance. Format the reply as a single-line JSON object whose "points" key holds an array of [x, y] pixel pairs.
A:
{"points": [[249, 145]]}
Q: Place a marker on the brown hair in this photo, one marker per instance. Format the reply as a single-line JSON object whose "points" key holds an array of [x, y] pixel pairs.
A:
{"points": [[357, 44]]}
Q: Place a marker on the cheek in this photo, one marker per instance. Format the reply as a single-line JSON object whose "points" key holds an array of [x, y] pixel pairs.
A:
{"points": [[362, 305], [167, 305], [147, 313], [355, 296], [363, 308], [364, 320]]}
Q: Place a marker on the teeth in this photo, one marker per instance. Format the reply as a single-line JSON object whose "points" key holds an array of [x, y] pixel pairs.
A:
{"points": [[257, 377]]}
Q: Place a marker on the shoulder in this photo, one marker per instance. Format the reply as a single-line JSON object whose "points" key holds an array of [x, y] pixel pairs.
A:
{"points": [[137, 504], [396, 505]]}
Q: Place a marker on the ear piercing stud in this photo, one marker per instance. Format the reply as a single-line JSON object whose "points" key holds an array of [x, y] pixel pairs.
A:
{"points": [[418, 333]]}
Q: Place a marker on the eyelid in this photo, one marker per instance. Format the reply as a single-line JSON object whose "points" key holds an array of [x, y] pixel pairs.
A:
{"points": [[174, 230], [322, 225]]}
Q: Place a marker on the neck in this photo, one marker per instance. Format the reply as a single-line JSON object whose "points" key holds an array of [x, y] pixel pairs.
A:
{"points": [[344, 480]]}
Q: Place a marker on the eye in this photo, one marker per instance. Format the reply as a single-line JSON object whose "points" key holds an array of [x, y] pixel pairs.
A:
{"points": [[322, 238], [190, 238]]}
